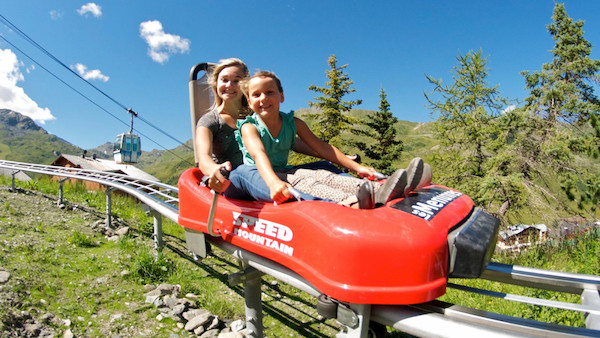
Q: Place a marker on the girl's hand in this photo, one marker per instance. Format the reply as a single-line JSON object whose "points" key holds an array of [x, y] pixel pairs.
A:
{"points": [[367, 172], [216, 180], [279, 192]]}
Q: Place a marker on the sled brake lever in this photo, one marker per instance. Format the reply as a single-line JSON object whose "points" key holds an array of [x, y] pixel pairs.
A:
{"points": [[213, 207], [379, 176], [295, 193]]}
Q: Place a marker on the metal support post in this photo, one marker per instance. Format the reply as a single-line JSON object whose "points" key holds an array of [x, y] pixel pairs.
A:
{"points": [[157, 235], [355, 319], [252, 280], [61, 194], [252, 296], [591, 297], [14, 189], [108, 206]]}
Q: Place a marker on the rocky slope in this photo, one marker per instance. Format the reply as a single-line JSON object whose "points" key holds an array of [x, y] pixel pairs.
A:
{"points": [[43, 289]]}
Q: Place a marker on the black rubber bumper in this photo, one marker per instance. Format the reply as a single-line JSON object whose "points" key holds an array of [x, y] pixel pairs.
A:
{"points": [[472, 244]]}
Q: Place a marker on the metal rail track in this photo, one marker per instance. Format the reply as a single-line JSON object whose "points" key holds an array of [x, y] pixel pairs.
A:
{"points": [[432, 319]]}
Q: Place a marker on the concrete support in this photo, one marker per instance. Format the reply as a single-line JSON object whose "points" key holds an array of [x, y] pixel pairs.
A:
{"points": [[254, 317]]}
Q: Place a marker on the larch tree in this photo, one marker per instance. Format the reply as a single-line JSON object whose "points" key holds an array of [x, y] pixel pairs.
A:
{"points": [[469, 128]]}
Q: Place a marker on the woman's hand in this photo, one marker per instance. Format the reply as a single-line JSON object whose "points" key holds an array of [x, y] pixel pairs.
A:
{"points": [[218, 182]]}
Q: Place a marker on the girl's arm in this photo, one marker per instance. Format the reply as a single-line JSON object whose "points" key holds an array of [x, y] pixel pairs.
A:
{"points": [[329, 152], [302, 148], [207, 165], [278, 188]]}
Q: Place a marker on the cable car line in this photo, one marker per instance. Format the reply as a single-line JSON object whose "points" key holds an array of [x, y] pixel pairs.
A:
{"points": [[37, 45], [26, 37], [90, 100], [129, 110], [61, 80]]}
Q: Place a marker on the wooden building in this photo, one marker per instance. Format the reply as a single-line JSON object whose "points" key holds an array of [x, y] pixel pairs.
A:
{"points": [[93, 163]]}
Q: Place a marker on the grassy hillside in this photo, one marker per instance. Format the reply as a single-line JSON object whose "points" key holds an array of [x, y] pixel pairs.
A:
{"points": [[33, 147], [71, 279], [167, 166], [417, 136]]}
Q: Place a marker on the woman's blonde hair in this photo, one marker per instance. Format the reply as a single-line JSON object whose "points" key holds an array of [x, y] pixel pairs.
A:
{"points": [[214, 76]]}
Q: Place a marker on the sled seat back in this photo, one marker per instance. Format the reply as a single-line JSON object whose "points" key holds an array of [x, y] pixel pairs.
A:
{"points": [[201, 97]]}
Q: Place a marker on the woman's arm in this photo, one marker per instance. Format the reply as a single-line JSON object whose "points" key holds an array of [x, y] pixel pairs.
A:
{"points": [[278, 188], [206, 163], [329, 152]]}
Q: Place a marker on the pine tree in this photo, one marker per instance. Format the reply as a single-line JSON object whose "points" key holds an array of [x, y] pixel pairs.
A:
{"points": [[333, 118], [386, 148], [563, 90], [565, 110]]}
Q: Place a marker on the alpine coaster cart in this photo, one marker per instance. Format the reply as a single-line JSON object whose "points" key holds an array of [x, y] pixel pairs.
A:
{"points": [[400, 253]]}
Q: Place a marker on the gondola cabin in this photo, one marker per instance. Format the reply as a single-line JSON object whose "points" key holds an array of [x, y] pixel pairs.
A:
{"points": [[127, 148]]}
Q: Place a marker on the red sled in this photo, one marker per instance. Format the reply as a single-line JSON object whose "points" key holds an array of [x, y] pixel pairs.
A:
{"points": [[400, 253]]}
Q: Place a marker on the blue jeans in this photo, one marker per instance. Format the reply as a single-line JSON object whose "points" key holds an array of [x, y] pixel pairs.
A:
{"points": [[247, 184], [326, 165]]}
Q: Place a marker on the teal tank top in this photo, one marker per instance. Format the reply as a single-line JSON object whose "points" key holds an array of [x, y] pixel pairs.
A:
{"points": [[277, 148]]}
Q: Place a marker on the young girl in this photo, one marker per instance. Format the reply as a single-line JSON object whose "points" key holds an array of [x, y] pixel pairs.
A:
{"points": [[267, 136]]}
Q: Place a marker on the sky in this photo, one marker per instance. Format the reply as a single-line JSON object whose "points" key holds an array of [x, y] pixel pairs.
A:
{"points": [[139, 54]]}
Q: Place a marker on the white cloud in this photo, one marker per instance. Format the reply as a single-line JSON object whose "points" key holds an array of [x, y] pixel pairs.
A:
{"points": [[92, 8], [509, 109], [94, 74], [160, 44], [56, 14], [12, 96]]}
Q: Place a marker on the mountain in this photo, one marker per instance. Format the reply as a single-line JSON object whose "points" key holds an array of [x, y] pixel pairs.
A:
{"points": [[22, 140], [103, 151]]}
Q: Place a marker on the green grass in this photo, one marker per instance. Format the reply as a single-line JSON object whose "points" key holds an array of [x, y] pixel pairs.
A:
{"points": [[78, 273]]}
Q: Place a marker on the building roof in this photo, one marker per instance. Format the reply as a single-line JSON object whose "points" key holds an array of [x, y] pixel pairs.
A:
{"points": [[99, 164], [20, 175], [514, 230]]}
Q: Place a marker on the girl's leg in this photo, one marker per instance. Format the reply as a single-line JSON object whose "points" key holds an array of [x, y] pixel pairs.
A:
{"points": [[324, 184], [248, 184]]}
